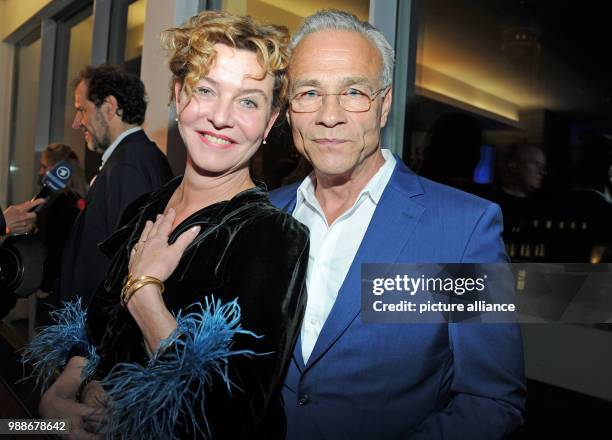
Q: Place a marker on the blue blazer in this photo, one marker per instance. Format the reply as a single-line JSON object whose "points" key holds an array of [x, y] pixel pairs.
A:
{"points": [[410, 381]]}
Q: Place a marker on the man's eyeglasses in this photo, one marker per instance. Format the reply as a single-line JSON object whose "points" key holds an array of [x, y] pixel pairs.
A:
{"points": [[351, 100]]}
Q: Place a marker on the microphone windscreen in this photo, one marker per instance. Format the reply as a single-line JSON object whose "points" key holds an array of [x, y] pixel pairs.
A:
{"points": [[57, 177], [53, 181]]}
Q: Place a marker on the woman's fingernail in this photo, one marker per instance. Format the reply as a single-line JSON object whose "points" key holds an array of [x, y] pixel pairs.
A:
{"points": [[195, 229]]}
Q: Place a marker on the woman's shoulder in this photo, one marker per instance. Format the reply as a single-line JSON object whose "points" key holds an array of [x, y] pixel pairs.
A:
{"points": [[268, 222], [143, 201]]}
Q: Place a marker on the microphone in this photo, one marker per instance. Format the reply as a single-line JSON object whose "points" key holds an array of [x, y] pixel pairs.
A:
{"points": [[53, 181]]}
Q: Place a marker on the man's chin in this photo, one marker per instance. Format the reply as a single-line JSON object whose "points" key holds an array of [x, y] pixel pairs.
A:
{"points": [[334, 172], [95, 148]]}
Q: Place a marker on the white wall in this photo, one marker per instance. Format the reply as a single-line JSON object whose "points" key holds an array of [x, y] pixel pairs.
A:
{"points": [[6, 81], [13, 13], [160, 15]]}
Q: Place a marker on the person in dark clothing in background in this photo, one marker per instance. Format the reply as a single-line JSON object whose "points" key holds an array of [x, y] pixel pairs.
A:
{"points": [[589, 203], [55, 221], [453, 151], [522, 175], [16, 219], [110, 106]]}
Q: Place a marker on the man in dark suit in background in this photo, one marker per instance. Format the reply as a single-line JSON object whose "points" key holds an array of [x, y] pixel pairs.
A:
{"points": [[110, 106]]}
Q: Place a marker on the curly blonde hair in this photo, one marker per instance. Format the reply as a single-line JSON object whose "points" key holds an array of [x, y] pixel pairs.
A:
{"points": [[191, 53]]}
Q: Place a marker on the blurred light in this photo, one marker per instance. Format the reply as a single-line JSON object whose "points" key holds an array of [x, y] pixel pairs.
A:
{"points": [[13, 169], [484, 170], [597, 253], [438, 85]]}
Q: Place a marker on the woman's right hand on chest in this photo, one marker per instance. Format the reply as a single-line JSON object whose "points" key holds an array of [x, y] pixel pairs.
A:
{"points": [[152, 256]]}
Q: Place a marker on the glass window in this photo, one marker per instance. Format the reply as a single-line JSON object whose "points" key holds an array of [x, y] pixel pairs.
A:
{"points": [[79, 55], [134, 37], [290, 13], [23, 167], [526, 83]]}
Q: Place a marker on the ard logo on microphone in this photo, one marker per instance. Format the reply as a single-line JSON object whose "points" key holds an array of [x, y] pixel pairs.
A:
{"points": [[63, 172], [58, 176]]}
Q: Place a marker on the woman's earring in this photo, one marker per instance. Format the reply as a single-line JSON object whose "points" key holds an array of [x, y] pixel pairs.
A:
{"points": [[264, 142], [176, 119]]}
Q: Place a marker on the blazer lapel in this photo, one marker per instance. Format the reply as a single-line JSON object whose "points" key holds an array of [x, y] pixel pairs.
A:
{"points": [[396, 212], [297, 354]]}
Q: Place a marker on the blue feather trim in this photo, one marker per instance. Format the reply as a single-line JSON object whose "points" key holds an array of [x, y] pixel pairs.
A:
{"points": [[48, 351], [148, 402]]}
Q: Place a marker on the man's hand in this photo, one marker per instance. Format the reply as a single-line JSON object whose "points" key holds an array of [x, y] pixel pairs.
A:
{"points": [[18, 219]]}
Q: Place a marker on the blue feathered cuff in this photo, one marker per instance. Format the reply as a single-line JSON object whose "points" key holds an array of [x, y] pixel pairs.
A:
{"points": [[149, 402], [51, 348]]}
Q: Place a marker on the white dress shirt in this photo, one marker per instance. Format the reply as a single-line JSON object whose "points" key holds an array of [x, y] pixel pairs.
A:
{"points": [[333, 247]]}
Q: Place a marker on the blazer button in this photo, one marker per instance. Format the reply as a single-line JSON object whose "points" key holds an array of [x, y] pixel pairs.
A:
{"points": [[303, 399]]}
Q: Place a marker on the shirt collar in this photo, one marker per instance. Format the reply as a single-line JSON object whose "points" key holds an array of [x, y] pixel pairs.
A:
{"points": [[113, 146], [378, 182], [373, 189]]}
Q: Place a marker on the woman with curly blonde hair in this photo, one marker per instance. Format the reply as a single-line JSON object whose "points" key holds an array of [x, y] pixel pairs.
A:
{"points": [[193, 329]]}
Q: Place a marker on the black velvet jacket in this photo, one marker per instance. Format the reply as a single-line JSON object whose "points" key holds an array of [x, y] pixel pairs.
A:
{"points": [[246, 249]]}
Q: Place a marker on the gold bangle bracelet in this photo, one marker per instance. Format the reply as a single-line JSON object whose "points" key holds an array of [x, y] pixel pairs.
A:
{"points": [[134, 284]]}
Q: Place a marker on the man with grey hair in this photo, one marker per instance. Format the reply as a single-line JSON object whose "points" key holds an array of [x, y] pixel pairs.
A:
{"points": [[349, 379]]}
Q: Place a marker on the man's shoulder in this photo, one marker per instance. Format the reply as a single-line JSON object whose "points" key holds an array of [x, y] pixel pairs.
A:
{"points": [[450, 197], [280, 197], [137, 145], [433, 195], [137, 151], [424, 191]]}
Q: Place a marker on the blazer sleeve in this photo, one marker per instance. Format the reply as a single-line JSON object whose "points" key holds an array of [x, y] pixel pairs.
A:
{"points": [[488, 384]]}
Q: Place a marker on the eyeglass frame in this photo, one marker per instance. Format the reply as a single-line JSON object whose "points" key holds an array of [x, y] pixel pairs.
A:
{"points": [[323, 95]]}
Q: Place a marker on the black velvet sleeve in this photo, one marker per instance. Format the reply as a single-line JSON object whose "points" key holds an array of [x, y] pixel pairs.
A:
{"points": [[124, 229], [265, 269]]}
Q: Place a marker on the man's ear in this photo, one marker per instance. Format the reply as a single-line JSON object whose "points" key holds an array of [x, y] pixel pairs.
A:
{"points": [[386, 107], [110, 108]]}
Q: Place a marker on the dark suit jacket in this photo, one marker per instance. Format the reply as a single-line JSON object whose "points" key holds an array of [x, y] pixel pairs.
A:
{"points": [[136, 167], [410, 381]]}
